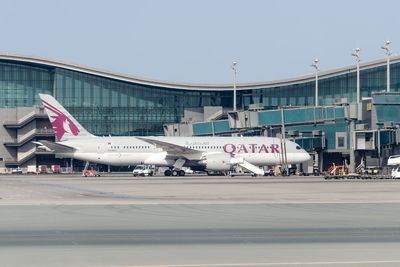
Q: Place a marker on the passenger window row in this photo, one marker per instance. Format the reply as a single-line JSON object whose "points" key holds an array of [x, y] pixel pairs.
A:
{"points": [[130, 147], [204, 147]]}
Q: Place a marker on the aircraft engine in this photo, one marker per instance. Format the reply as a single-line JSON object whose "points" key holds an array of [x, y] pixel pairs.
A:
{"points": [[217, 162]]}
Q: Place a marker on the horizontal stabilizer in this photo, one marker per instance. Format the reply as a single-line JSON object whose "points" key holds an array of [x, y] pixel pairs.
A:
{"points": [[55, 147]]}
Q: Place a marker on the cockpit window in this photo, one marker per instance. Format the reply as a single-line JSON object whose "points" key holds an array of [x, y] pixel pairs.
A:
{"points": [[298, 147]]}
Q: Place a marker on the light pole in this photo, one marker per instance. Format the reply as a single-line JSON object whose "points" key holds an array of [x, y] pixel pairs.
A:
{"points": [[388, 53], [352, 121], [234, 85], [315, 65], [357, 55]]}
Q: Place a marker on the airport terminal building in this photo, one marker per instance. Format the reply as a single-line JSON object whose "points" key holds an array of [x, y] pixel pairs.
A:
{"points": [[109, 103]]}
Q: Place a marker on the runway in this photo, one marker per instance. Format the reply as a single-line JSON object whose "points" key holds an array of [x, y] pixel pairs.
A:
{"points": [[117, 221]]}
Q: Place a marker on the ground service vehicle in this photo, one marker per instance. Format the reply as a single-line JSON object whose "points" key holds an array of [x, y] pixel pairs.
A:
{"points": [[396, 172], [91, 173], [142, 170]]}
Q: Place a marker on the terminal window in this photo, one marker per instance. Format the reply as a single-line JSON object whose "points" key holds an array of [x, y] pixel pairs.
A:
{"points": [[341, 142]]}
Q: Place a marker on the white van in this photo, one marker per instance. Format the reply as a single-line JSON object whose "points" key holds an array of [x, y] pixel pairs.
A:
{"points": [[142, 170]]}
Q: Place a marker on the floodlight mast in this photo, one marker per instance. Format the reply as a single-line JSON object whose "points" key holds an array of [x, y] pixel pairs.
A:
{"points": [[315, 65], [352, 121], [388, 53], [357, 55], [234, 85]]}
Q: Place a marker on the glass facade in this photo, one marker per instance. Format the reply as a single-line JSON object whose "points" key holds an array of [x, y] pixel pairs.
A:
{"points": [[108, 106], [105, 106], [340, 86], [20, 84]]}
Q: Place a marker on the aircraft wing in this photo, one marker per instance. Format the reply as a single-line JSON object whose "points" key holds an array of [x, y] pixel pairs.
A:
{"points": [[170, 148], [55, 147]]}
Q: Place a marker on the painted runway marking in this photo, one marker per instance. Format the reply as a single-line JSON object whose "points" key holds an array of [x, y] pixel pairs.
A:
{"points": [[267, 264]]}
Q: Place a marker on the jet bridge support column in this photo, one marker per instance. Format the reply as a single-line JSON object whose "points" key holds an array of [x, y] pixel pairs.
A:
{"points": [[352, 147], [353, 116]]}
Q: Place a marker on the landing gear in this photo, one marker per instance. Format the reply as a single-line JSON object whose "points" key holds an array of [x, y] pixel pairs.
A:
{"points": [[174, 173], [176, 168]]}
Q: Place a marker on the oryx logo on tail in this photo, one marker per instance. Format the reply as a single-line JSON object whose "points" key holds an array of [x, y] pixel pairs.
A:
{"points": [[64, 124], [60, 122]]}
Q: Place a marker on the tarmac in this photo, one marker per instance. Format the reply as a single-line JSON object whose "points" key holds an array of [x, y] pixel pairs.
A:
{"points": [[120, 220]]}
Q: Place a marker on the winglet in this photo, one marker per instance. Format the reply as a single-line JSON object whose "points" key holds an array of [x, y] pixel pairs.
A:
{"points": [[64, 125]]}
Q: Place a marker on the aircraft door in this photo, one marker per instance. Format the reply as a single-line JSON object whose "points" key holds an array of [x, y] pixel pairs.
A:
{"points": [[100, 148]]}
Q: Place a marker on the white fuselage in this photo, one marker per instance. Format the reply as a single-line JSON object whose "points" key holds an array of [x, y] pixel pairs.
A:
{"points": [[125, 151]]}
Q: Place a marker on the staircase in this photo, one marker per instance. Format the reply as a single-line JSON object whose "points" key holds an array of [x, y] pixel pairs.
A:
{"points": [[21, 140], [26, 119], [24, 156], [251, 168]]}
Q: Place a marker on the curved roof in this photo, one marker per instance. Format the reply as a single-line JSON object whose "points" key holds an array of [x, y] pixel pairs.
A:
{"points": [[189, 86]]}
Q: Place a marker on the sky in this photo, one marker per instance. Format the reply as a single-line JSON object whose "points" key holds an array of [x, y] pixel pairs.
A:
{"points": [[197, 41]]}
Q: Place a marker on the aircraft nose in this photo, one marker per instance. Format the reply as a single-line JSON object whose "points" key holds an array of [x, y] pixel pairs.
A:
{"points": [[306, 156]]}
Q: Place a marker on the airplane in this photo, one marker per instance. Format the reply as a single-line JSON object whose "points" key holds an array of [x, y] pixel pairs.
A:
{"points": [[215, 154]]}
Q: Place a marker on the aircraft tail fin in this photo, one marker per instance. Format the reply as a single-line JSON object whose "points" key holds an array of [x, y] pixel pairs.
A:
{"points": [[64, 125]]}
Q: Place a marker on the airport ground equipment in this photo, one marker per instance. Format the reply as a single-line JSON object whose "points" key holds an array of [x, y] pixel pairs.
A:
{"points": [[366, 175], [31, 169], [55, 168], [359, 177], [91, 173], [394, 160], [143, 170], [396, 172]]}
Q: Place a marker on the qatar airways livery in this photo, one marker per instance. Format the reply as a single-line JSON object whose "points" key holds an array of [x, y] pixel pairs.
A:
{"points": [[199, 153]]}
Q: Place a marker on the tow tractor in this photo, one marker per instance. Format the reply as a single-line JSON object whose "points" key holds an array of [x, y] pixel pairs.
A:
{"points": [[91, 173]]}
